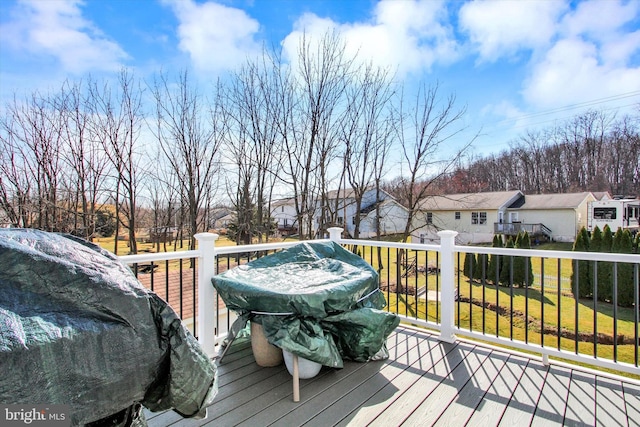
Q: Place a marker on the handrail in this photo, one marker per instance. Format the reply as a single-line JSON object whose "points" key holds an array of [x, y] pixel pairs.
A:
{"points": [[447, 274]]}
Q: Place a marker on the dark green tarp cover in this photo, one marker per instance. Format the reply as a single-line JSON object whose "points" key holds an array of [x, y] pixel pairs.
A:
{"points": [[77, 328], [315, 299]]}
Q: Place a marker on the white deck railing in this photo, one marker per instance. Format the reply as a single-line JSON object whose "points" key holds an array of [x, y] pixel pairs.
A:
{"points": [[208, 321]]}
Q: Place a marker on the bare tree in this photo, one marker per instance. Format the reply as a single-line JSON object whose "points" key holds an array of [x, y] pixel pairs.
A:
{"points": [[251, 145], [31, 130], [312, 98], [423, 129], [15, 180], [86, 163], [163, 193], [188, 132], [118, 121], [366, 134]]}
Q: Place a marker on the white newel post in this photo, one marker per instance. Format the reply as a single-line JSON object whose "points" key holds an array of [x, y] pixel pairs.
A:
{"points": [[335, 233], [206, 292], [447, 295]]}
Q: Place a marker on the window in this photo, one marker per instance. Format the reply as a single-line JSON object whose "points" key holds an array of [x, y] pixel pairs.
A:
{"points": [[422, 238], [340, 220], [429, 217], [604, 213], [282, 209], [457, 215], [353, 220], [478, 218]]}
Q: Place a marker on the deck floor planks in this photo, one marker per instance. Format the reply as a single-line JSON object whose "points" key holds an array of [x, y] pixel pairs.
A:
{"points": [[374, 394], [494, 402], [609, 403], [432, 407], [424, 381], [632, 403], [523, 403], [318, 401], [553, 399], [378, 399], [581, 402], [469, 397], [323, 407]]}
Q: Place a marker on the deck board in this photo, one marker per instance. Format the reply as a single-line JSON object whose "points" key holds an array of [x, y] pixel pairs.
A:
{"points": [[494, 402], [424, 382], [581, 404], [468, 399], [609, 403], [430, 409], [553, 399], [525, 398], [632, 403]]}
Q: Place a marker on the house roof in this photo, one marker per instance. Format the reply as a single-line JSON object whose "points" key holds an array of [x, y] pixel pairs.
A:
{"points": [[468, 201], [348, 193], [551, 201]]}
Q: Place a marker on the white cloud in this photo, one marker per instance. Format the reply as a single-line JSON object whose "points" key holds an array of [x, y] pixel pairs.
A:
{"points": [[500, 29], [572, 72], [407, 36], [598, 19], [216, 37], [56, 28]]}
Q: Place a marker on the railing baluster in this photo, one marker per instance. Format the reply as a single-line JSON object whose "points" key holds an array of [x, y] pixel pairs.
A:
{"points": [[449, 259], [559, 333], [527, 260], [542, 303], [615, 311], [576, 296], [636, 311], [595, 309]]}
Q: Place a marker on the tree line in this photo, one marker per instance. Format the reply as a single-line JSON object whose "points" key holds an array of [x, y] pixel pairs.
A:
{"points": [[162, 153], [593, 151], [173, 149]]}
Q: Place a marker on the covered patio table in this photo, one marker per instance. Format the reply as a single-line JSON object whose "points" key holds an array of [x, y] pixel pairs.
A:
{"points": [[315, 300]]}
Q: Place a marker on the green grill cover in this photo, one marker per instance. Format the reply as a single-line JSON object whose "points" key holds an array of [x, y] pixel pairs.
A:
{"points": [[77, 328], [315, 299]]}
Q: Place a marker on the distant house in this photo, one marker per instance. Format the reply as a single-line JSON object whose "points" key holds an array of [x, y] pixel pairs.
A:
{"points": [[221, 218], [472, 215], [558, 217], [477, 217], [392, 216], [283, 212]]}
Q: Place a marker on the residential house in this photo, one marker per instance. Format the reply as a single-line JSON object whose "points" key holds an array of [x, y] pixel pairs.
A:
{"points": [[472, 215], [477, 217], [221, 218], [392, 216], [283, 212], [558, 217]]}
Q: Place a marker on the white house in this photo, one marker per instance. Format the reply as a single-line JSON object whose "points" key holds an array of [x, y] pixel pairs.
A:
{"points": [[392, 215], [283, 212], [472, 215], [558, 217]]}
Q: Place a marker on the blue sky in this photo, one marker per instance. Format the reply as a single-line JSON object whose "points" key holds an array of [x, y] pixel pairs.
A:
{"points": [[516, 65]]}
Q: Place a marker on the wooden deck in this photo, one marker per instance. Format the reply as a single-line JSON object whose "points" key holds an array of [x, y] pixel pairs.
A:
{"points": [[424, 382]]}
